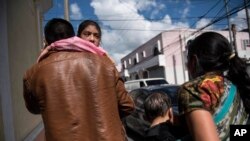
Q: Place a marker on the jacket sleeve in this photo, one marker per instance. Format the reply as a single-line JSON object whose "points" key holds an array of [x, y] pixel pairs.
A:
{"points": [[125, 102], [31, 101]]}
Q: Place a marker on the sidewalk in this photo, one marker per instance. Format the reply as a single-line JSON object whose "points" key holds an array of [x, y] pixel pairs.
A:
{"points": [[41, 136]]}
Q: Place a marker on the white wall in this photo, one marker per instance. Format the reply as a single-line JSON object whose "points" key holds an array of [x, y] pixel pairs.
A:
{"points": [[19, 47]]}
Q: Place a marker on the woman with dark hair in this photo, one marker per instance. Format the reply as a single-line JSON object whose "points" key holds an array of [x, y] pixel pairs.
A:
{"points": [[90, 30], [218, 93]]}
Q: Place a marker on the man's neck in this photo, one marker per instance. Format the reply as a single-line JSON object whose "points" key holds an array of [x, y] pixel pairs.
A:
{"points": [[159, 120]]}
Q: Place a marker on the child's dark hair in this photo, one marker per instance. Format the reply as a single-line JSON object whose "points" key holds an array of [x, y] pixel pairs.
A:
{"points": [[57, 29], [156, 104], [215, 53]]}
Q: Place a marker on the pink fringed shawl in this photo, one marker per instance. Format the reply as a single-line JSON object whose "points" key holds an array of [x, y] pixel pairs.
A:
{"points": [[73, 44]]}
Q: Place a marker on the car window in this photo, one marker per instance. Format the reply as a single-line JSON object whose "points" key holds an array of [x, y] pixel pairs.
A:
{"points": [[142, 84], [132, 85], [156, 82], [134, 94], [172, 92], [139, 97]]}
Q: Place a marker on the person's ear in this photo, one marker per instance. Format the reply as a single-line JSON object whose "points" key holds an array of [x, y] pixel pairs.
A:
{"points": [[45, 43], [170, 114]]}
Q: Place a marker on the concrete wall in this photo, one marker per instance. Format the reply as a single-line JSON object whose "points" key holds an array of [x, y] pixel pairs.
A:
{"points": [[23, 51], [20, 45], [6, 123], [174, 65]]}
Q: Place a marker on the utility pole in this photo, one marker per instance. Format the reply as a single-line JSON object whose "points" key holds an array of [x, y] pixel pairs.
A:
{"points": [[66, 10], [174, 66], [182, 58], [228, 21], [247, 18], [234, 39]]}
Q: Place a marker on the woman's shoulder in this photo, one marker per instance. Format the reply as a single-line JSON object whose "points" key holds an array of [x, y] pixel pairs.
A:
{"points": [[205, 81], [203, 92]]}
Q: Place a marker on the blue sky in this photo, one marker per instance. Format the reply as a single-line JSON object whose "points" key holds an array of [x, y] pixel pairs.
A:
{"points": [[126, 24]]}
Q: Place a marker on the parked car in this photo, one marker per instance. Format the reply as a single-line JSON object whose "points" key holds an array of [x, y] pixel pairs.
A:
{"points": [[134, 84], [137, 121]]}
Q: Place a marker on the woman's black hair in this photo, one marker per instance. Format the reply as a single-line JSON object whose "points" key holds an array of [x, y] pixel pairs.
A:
{"points": [[85, 24], [214, 53]]}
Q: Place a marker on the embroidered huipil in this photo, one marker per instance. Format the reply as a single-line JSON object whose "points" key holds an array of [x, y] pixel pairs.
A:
{"points": [[217, 95]]}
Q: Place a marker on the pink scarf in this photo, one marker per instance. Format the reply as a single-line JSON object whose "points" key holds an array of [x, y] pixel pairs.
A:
{"points": [[73, 44]]}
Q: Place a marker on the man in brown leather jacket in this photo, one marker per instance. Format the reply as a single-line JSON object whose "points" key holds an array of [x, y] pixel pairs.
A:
{"points": [[78, 93]]}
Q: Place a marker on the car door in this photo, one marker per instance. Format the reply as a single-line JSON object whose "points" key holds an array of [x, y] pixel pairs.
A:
{"points": [[136, 119], [143, 124], [172, 92]]}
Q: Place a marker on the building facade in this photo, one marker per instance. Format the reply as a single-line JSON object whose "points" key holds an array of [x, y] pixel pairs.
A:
{"points": [[165, 55], [21, 39]]}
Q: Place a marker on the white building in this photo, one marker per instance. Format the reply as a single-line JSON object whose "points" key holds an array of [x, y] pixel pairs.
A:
{"points": [[165, 56]]}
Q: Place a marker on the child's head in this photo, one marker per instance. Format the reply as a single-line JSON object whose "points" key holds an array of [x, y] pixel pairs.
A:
{"points": [[57, 29], [156, 105]]}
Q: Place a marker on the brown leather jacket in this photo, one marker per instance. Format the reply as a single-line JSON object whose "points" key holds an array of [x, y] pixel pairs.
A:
{"points": [[79, 95]]}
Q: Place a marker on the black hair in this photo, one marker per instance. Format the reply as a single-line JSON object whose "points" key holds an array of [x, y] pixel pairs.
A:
{"points": [[156, 104], [57, 29], [214, 53], [85, 24]]}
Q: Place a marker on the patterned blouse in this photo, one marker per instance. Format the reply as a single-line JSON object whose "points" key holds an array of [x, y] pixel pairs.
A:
{"points": [[217, 95]]}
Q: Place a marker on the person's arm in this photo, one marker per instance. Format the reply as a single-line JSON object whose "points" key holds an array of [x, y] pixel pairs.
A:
{"points": [[201, 125], [125, 102], [31, 101]]}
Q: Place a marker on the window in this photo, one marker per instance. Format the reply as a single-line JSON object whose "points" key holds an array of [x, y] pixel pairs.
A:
{"points": [[136, 76], [129, 61], [145, 74], [245, 44], [156, 82], [124, 64], [137, 57], [141, 98], [142, 84], [143, 54], [156, 51], [135, 61]]}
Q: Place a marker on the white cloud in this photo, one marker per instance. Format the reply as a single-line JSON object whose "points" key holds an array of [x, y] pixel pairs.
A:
{"points": [[75, 12], [188, 2], [144, 5], [203, 22], [185, 12], [119, 43], [240, 20], [156, 10]]}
